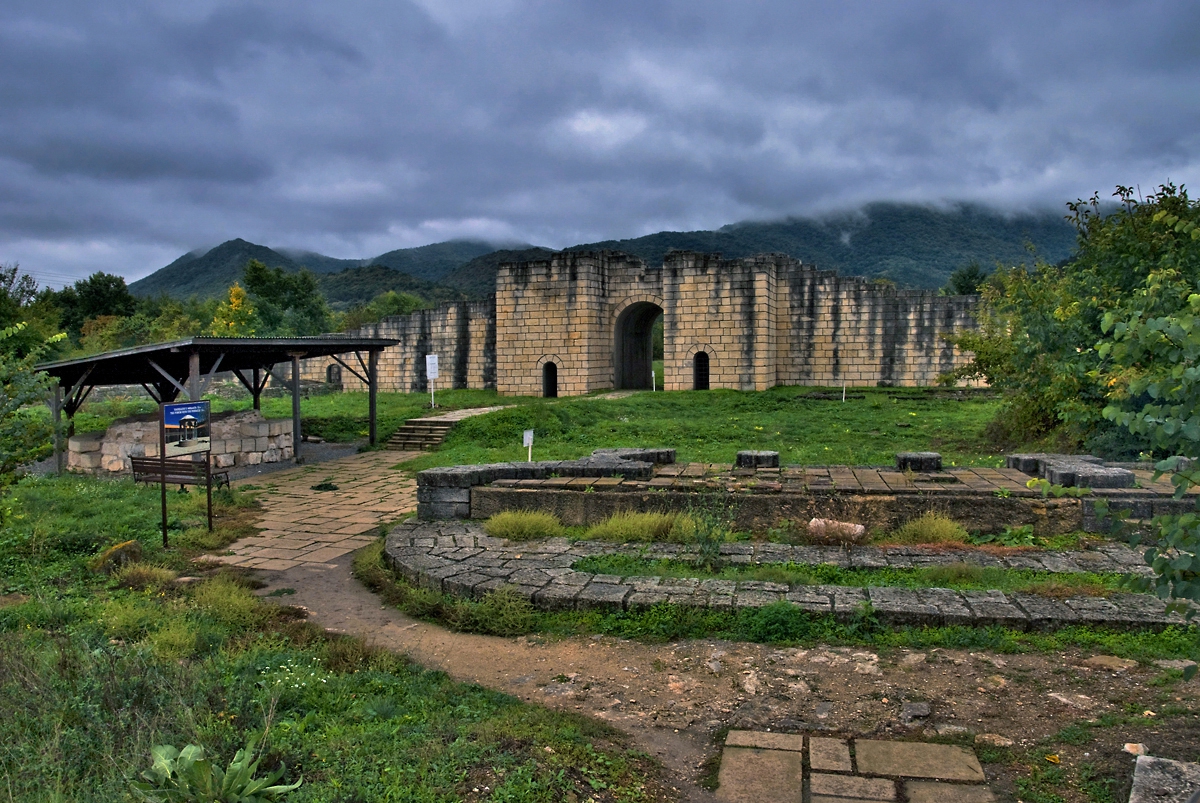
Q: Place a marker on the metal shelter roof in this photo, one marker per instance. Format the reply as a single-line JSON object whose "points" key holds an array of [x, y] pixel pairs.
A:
{"points": [[150, 365], [187, 366]]}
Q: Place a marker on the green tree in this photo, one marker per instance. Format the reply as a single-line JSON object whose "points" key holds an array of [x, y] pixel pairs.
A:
{"points": [[380, 307], [98, 294], [23, 437], [1150, 355], [235, 317], [1039, 328], [966, 281], [289, 304]]}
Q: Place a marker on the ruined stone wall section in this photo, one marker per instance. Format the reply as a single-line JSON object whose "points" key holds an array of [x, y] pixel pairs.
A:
{"points": [[847, 330], [712, 305], [763, 321], [564, 307], [461, 333]]}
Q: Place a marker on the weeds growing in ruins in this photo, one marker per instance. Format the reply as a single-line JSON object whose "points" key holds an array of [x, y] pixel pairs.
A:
{"points": [[523, 525], [930, 528]]}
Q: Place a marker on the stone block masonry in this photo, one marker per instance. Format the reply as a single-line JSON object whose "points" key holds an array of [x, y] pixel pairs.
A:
{"points": [[458, 557], [746, 324], [238, 439]]}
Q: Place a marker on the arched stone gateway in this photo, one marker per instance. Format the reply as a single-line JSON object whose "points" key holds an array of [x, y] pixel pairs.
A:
{"points": [[633, 349], [761, 321]]}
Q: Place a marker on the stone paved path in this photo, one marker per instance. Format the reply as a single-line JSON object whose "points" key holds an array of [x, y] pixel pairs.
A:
{"points": [[764, 767], [303, 526]]}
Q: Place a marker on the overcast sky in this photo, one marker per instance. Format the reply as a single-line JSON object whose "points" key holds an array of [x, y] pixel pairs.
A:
{"points": [[133, 132]]}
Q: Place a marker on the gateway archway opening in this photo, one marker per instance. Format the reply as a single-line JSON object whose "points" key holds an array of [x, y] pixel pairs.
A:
{"points": [[633, 346], [550, 380], [700, 371]]}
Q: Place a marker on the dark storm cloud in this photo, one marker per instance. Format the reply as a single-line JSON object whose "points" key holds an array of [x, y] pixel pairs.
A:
{"points": [[131, 132]]}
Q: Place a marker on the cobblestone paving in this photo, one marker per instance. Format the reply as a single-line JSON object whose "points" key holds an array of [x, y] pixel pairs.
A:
{"points": [[759, 767], [302, 526], [457, 557]]}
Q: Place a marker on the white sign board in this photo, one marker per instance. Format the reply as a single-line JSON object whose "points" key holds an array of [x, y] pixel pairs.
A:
{"points": [[528, 438], [431, 371]]}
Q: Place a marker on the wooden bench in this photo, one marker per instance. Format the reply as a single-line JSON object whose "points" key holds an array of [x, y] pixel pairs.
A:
{"points": [[178, 470]]}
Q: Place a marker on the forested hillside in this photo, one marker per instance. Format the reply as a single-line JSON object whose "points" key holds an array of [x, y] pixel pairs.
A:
{"points": [[912, 245]]}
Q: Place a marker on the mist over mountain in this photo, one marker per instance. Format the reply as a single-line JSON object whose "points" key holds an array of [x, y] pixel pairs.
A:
{"points": [[913, 245]]}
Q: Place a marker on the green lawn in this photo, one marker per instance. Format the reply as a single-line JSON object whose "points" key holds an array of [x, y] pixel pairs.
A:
{"points": [[96, 670], [713, 426], [709, 426], [960, 576]]}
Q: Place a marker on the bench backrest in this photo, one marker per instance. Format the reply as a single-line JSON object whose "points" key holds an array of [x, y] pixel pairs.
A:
{"points": [[172, 465]]}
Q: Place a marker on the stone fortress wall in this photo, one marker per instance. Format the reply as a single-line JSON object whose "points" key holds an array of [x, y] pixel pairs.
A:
{"points": [[461, 333], [746, 324]]}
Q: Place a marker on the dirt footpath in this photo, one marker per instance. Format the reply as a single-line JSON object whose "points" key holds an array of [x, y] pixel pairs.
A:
{"points": [[674, 698]]}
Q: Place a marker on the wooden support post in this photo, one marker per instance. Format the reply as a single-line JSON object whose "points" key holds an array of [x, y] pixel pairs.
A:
{"points": [[193, 385], [372, 393], [296, 408], [58, 433], [257, 392]]}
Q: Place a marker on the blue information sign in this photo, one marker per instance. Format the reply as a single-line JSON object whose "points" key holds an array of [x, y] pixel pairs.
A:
{"points": [[186, 428]]}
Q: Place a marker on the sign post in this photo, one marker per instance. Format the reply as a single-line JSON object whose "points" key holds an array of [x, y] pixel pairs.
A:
{"points": [[528, 443], [431, 373], [184, 431]]}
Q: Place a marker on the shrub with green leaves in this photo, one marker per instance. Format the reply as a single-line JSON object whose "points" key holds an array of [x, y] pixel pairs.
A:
{"points": [[523, 525], [186, 776]]}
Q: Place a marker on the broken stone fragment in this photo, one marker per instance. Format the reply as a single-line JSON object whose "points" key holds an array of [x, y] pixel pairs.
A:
{"points": [[832, 532], [1110, 663]]}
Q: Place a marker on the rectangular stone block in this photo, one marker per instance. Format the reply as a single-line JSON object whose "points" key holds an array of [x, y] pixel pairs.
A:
{"points": [[828, 755], [851, 786], [430, 511], [933, 792], [749, 775], [917, 760], [765, 740], [458, 495]]}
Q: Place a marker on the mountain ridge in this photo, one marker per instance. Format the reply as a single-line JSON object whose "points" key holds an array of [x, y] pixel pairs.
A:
{"points": [[913, 245]]}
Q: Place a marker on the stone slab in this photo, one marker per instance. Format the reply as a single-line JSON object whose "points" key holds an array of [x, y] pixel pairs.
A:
{"points": [[750, 775], [1160, 780], [931, 792], [828, 755], [766, 741], [852, 786], [917, 760]]}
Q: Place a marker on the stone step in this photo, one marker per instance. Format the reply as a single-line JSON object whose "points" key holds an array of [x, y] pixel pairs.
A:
{"points": [[420, 434]]}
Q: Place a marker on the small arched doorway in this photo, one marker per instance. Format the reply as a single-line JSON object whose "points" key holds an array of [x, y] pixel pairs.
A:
{"points": [[633, 346], [700, 371], [550, 380], [333, 374]]}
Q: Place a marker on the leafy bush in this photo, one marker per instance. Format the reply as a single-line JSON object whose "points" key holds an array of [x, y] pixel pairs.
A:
{"points": [[186, 776], [1009, 536], [931, 528], [523, 525]]}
